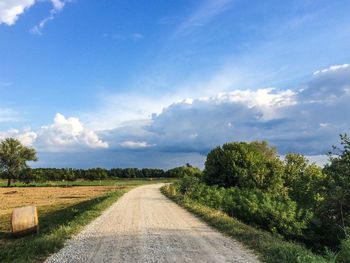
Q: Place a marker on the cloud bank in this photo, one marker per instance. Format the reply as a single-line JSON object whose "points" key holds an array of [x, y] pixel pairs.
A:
{"points": [[306, 119]]}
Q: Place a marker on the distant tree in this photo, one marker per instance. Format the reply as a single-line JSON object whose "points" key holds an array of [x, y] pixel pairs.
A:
{"points": [[13, 158], [96, 174], [252, 165], [182, 171]]}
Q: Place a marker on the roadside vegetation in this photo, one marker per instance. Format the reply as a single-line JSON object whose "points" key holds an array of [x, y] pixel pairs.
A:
{"points": [[296, 211]]}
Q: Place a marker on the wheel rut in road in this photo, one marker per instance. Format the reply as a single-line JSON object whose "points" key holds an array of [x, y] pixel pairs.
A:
{"points": [[145, 226]]}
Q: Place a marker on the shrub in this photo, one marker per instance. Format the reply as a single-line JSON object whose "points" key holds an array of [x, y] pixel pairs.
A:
{"points": [[344, 253], [278, 214]]}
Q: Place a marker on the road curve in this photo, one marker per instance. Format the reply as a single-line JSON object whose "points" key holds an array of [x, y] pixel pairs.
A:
{"points": [[145, 226]]}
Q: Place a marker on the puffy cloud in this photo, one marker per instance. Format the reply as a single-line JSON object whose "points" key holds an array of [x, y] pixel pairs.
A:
{"points": [[10, 10], [27, 137], [67, 133], [64, 134]]}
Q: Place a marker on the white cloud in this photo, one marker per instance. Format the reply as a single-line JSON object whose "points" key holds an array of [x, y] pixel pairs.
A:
{"points": [[57, 6], [62, 135], [135, 145], [332, 68], [27, 137], [267, 100], [67, 133], [10, 10]]}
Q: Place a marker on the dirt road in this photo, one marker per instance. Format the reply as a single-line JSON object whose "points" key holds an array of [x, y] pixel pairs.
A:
{"points": [[144, 226]]}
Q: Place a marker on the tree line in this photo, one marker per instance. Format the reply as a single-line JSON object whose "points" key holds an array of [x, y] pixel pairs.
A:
{"points": [[13, 166], [70, 174]]}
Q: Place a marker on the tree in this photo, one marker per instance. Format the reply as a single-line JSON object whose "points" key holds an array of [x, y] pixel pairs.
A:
{"points": [[182, 171], [303, 180], [14, 157], [335, 211], [252, 165]]}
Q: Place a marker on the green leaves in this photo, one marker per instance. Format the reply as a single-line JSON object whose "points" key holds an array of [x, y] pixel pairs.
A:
{"points": [[14, 157], [277, 214], [252, 165], [303, 181]]}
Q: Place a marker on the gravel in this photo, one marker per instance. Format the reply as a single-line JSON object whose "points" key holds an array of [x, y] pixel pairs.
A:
{"points": [[145, 226]]}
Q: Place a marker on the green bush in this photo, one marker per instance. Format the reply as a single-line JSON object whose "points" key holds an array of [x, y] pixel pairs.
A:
{"points": [[344, 253], [278, 214]]}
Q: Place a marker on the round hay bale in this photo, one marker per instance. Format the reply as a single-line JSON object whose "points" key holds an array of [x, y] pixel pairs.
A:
{"points": [[24, 220]]}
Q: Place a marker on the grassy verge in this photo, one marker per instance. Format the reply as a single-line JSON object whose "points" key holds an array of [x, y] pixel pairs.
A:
{"points": [[270, 248], [105, 182], [57, 224]]}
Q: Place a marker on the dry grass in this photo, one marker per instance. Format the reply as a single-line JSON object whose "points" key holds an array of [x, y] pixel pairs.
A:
{"points": [[45, 198]]}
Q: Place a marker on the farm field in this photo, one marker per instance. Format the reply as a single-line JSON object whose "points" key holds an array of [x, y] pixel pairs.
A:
{"points": [[48, 196], [63, 211]]}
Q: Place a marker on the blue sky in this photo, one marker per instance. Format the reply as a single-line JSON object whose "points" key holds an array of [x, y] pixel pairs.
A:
{"points": [[159, 83]]}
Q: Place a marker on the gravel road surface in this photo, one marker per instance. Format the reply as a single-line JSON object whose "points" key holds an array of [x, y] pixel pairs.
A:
{"points": [[144, 226]]}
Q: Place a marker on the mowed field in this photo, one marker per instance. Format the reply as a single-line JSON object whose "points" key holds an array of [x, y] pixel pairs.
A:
{"points": [[63, 208], [42, 196], [45, 198]]}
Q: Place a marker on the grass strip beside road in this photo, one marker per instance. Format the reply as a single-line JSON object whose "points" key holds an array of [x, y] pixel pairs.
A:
{"points": [[104, 182], [270, 248], [57, 224]]}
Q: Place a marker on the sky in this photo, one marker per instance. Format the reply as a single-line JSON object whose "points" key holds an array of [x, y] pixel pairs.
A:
{"points": [[158, 83]]}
